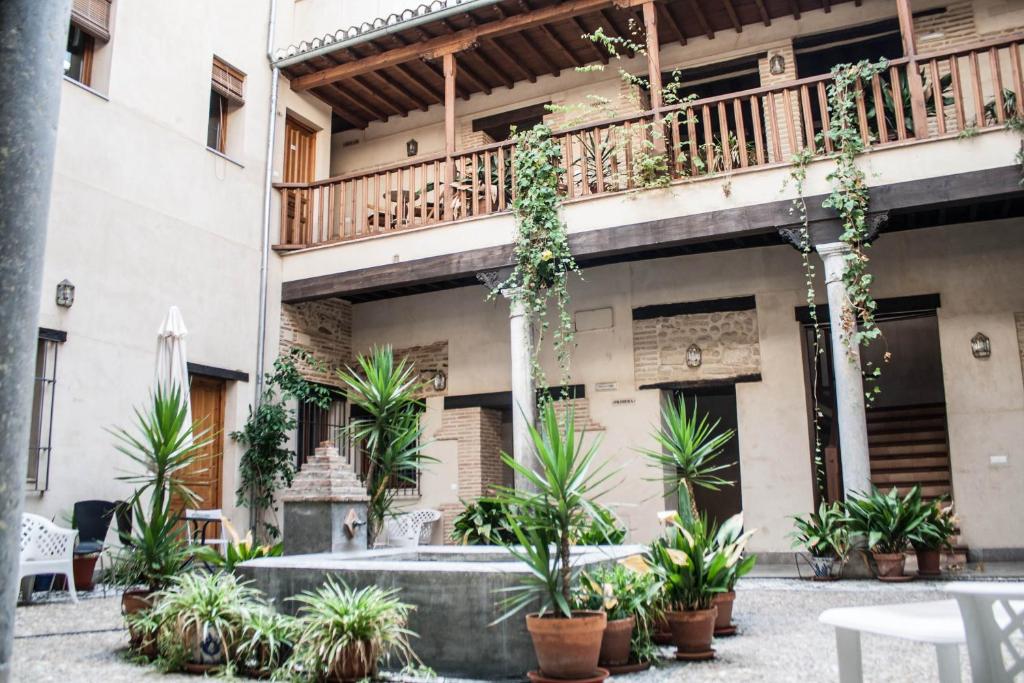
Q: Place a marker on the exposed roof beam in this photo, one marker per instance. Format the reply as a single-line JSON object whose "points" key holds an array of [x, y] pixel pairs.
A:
{"points": [[765, 17], [620, 32], [349, 116], [491, 67], [460, 40], [733, 17], [375, 114], [702, 19], [560, 45], [375, 96], [667, 17], [517, 63], [795, 5], [432, 68], [826, 5], [554, 68], [471, 75], [597, 50], [399, 88], [413, 81]]}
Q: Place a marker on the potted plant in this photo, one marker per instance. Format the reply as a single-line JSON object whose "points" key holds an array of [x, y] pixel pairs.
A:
{"points": [[604, 529], [344, 633], [205, 613], [484, 522], [266, 641], [143, 627], [629, 598], [731, 541], [692, 569], [825, 536], [236, 551], [164, 445], [888, 523], [935, 534], [543, 516]]}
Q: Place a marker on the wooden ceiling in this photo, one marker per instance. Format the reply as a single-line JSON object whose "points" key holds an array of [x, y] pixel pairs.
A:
{"points": [[366, 92]]}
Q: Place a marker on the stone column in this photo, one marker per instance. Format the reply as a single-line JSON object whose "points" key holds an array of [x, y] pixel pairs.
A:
{"points": [[33, 36], [524, 393], [849, 384]]}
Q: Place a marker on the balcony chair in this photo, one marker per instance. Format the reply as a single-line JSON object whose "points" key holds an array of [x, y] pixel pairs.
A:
{"points": [[92, 519], [46, 548], [410, 529]]}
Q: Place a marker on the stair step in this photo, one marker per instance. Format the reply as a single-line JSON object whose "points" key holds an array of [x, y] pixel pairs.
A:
{"points": [[912, 477], [930, 425], [930, 410], [909, 436], [929, 463], [908, 449]]}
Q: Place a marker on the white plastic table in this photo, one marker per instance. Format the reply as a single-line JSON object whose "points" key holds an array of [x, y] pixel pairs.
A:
{"points": [[938, 623]]}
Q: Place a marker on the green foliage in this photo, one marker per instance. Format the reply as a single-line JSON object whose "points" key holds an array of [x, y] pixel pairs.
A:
{"points": [[164, 446], [603, 529], [731, 541], [556, 500], [237, 552], [622, 593], [386, 391], [1015, 123], [824, 533], [266, 640], [690, 564], [267, 465], [484, 522], [689, 449], [887, 522], [938, 528], [337, 622]]}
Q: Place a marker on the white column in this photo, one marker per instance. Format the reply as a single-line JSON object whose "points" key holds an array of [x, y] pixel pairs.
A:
{"points": [[524, 395], [849, 384]]}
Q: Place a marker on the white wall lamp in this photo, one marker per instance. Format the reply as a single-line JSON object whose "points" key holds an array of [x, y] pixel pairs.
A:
{"points": [[777, 65], [981, 347], [65, 293]]}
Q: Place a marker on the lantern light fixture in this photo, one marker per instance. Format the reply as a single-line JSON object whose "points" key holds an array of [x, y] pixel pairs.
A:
{"points": [[412, 148], [65, 293], [777, 65], [981, 346], [693, 356]]}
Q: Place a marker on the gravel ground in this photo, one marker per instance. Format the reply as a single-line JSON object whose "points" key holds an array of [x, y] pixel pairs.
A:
{"points": [[780, 639]]}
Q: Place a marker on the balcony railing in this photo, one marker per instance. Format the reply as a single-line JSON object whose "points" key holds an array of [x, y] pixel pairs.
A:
{"points": [[956, 93]]}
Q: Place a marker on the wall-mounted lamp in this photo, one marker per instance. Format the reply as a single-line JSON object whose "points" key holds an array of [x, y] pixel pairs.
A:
{"points": [[412, 148], [777, 65], [65, 293], [981, 347], [693, 356], [439, 381]]}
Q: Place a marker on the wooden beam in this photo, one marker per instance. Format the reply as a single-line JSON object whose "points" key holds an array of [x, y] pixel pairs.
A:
{"points": [[349, 116], [620, 30], [914, 84], [906, 19], [472, 76], [795, 6], [387, 80], [560, 45], [765, 17], [598, 51], [456, 42], [491, 67], [437, 71], [826, 5], [414, 81], [666, 16], [554, 68], [375, 114], [518, 63], [368, 92], [733, 17], [702, 19], [653, 53]]}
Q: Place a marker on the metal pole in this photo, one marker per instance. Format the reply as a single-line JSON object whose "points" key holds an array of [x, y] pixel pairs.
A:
{"points": [[853, 430], [33, 37]]}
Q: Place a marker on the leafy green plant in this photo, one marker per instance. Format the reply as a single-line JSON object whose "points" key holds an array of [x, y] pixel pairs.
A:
{"points": [[386, 391], [604, 529], [344, 628], [690, 448], [692, 568], [266, 641], [543, 518], [731, 540], [824, 533], [938, 528], [267, 464], [484, 522], [887, 521], [143, 628], [237, 551], [621, 593]]}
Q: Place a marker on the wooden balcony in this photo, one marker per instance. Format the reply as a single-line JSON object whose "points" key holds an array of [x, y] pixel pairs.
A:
{"points": [[927, 97]]}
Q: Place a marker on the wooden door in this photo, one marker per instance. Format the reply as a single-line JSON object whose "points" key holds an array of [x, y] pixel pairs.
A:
{"points": [[204, 476], [299, 152]]}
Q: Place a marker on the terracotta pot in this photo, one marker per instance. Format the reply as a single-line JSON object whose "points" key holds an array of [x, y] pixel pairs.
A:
{"points": [[693, 630], [84, 566], [133, 601], [616, 641], [724, 601], [354, 663], [889, 564], [928, 562], [567, 648], [661, 632]]}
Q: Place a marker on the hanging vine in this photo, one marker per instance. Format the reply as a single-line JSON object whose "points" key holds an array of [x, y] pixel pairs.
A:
{"points": [[543, 261]]}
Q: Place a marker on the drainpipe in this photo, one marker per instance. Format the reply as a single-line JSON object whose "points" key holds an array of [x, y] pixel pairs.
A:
{"points": [[33, 36]]}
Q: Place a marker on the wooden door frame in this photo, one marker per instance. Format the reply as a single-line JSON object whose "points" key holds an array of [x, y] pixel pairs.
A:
{"points": [[292, 121], [218, 435]]}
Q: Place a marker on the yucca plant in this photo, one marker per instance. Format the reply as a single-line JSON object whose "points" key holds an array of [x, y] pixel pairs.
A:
{"points": [[345, 633], [825, 533], [888, 522], [690, 448], [207, 612], [266, 641]]}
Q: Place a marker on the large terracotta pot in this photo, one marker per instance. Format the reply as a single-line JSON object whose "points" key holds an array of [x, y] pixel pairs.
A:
{"points": [[567, 648], [927, 563], [693, 630], [84, 566], [890, 565], [724, 601], [355, 663], [136, 600], [615, 645]]}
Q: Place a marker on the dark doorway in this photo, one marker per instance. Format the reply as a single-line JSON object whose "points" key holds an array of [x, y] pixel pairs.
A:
{"points": [[719, 404]]}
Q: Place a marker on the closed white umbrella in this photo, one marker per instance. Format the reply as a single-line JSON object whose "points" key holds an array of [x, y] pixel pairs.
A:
{"points": [[171, 360]]}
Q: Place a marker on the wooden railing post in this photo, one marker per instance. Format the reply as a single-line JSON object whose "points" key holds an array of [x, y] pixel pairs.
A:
{"points": [[450, 68], [654, 72], [917, 107]]}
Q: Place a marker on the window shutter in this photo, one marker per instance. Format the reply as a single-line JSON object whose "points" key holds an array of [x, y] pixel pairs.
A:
{"points": [[228, 81], [93, 17]]}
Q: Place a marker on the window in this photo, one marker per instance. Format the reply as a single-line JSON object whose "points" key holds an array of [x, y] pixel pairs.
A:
{"points": [[227, 95], [41, 429], [89, 31], [406, 483], [78, 57], [317, 425]]}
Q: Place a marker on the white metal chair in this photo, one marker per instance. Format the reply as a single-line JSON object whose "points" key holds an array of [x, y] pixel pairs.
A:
{"points": [[46, 548], [411, 528], [993, 618]]}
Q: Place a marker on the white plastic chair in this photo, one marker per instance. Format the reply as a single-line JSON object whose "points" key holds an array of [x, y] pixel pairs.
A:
{"points": [[46, 548], [411, 528], [993, 618], [198, 521]]}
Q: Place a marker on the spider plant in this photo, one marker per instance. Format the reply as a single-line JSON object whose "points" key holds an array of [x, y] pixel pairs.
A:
{"points": [[824, 533], [344, 633], [887, 521], [266, 641], [690, 448]]}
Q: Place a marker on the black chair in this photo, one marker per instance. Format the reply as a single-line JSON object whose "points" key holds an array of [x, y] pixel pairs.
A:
{"points": [[92, 519]]}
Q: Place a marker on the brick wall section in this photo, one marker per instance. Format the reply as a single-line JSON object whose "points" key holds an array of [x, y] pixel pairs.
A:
{"points": [[728, 341], [324, 328], [426, 359], [478, 433], [785, 50], [581, 413]]}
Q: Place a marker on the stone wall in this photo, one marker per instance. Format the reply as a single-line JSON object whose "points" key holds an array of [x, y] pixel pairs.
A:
{"points": [[324, 329], [427, 359], [728, 341]]}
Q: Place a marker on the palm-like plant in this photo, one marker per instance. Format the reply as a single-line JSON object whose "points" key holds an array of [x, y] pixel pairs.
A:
{"points": [[386, 391], [824, 533], [545, 518], [341, 629], [887, 521], [690, 447]]}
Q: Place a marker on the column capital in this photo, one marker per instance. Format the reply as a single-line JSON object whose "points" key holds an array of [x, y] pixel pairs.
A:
{"points": [[833, 249]]}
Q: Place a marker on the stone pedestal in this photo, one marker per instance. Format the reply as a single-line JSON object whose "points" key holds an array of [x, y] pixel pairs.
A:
{"points": [[325, 508]]}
